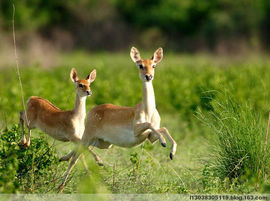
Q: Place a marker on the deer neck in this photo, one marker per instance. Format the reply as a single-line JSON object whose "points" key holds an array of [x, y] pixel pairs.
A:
{"points": [[149, 103], [79, 108]]}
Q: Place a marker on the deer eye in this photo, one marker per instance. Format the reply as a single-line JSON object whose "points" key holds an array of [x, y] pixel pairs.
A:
{"points": [[80, 85], [141, 66]]}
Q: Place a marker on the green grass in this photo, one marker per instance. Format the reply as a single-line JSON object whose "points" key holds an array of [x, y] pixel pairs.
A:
{"points": [[185, 86], [241, 153]]}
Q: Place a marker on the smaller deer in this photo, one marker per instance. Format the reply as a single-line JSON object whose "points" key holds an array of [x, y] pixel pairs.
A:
{"points": [[109, 124], [61, 125]]}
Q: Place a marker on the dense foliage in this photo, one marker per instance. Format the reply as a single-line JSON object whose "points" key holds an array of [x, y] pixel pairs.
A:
{"points": [[210, 21], [176, 24], [33, 15], [23, 169]]}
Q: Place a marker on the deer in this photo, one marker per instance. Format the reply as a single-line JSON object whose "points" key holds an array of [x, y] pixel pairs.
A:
{"points": [[65, 126], [109, 124]]}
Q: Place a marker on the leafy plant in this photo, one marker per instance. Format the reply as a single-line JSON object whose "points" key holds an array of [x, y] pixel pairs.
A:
{"points": [[23, 166]]}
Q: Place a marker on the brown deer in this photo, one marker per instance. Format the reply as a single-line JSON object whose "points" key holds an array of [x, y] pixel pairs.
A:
{"points": [[109, 124], [61, 125]]}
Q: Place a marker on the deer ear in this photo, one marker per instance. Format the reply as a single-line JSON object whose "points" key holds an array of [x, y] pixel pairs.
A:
{"points": [[73, 75], [158, 55], [92, 76], [135, 55]]}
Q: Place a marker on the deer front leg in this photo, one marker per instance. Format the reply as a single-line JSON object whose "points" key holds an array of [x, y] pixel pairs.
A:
{"points": [[152, 137], [173, 143], [141, 127], [97, 158]]}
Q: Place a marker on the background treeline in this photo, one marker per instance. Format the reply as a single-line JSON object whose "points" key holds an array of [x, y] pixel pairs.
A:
{"points": [[189, 25]]}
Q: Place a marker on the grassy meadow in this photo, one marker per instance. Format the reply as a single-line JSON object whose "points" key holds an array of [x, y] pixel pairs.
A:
{"points": [[216, 108]]}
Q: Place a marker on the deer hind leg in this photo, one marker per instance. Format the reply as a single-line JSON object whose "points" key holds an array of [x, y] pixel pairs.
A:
{"points": [[25, 142], [67, 157], [23, 139], [101, 144], [28, 137], [141, 127]]}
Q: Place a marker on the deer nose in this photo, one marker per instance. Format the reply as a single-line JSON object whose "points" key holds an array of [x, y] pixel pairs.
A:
{"points": [[89, 93], [148, 77]]}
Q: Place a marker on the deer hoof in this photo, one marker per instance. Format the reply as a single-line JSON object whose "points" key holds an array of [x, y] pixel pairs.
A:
{"points": [[23, 145], [163, 144], [171, 156], [60, 188], [27, 145]]}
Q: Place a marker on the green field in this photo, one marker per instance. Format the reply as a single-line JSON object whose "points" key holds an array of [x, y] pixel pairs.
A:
{"points": [[216, 108]]}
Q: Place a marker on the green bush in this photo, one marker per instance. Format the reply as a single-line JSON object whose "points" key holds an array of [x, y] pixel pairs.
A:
{"points": [[33, 15], [181, 25], [23, 166], [208, 21], [172, 15], [239, 153]]}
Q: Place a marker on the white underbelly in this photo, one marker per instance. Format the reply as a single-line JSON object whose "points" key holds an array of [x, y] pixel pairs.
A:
{"points": [[120, 136], [56, 133]]}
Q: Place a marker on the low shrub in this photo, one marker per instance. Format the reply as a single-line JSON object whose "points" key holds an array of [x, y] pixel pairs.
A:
{"points": [[240, 151], [23, 166]]}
